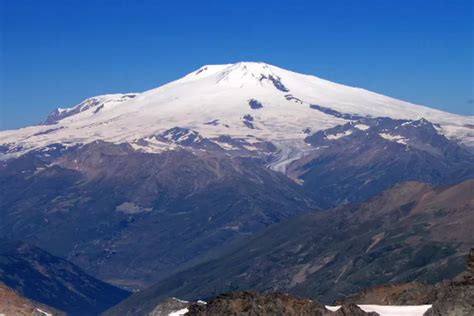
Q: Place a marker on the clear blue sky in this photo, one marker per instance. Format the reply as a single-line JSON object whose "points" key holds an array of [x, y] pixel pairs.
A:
{"points": [[56, 53]]}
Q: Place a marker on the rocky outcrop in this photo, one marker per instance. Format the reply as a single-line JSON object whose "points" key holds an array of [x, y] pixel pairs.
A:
{"points": [[352, 309], [13, 303], [252, 303], [456, 298]]}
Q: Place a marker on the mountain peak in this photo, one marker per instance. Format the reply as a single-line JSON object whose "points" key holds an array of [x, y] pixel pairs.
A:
{"points": [[240, 65], [240, 74], [243, 73], [242, 69]]}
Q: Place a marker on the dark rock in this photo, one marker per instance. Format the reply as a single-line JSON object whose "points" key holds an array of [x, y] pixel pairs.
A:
{"points": [[352, 309], [290, 97], [247, 120], [48, 131], [98, 109], [335, 113], [455, 298], [248, 117], [276, 82], [255, 104], [187, 138], [213, 122], [252, 303]]}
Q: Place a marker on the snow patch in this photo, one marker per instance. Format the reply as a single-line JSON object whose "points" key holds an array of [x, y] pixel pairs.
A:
{"points": [[42, 312], [391, 310], [394, 138], [179, 312], [362, 127], [131, 208], [339, 135]]}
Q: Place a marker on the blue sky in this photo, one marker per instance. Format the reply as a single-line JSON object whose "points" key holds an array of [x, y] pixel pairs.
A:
{"points": [[56, 53]]}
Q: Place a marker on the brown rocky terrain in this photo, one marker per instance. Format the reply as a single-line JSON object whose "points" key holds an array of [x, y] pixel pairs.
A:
{"points": [[13, 303], [352, 310], [269, 304], [252, 303]]}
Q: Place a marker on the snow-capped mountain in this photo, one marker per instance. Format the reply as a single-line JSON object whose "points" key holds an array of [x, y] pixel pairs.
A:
{"points": [[255, 102], [141, 185]]}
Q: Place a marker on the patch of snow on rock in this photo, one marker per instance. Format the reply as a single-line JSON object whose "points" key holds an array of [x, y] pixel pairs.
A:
{"points": [[179, 312], [362, 127], [394, 138], [391, 310], [339, 135]]}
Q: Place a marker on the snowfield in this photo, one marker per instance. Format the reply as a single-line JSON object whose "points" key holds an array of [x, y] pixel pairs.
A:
{"points": [[248, 100], [391, 310]]}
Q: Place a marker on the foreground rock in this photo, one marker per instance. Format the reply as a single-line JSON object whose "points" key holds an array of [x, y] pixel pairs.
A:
{"points": [[352, 310], [252, 303], [456, 298], [13, 303]]}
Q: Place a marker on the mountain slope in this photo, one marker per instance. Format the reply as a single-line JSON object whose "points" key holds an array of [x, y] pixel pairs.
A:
{"points": [[354, 161], [52, 281], [413, 232], [132, 218], [12, 303]]}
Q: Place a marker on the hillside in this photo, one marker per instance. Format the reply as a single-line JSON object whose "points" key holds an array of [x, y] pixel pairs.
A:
{"points": [[38, 276], [413, 232]]}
